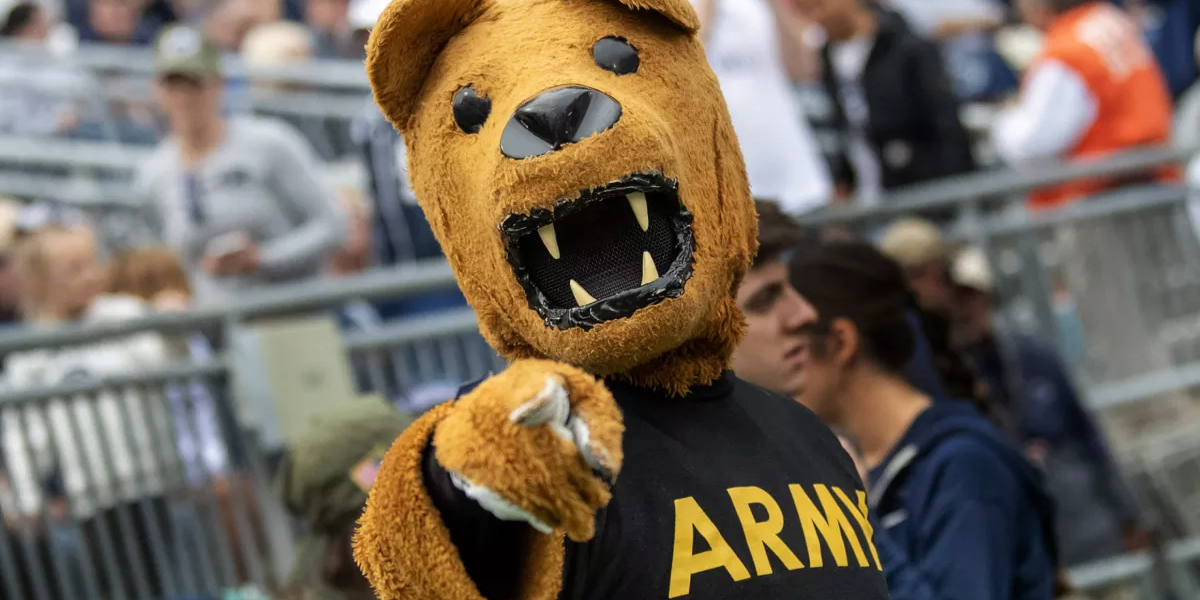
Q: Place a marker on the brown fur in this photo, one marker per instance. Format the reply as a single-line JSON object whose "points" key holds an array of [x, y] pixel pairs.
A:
{"points": [[673, 121], [534, 466]]}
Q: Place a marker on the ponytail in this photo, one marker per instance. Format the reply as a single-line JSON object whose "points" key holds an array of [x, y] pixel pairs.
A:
{"points": [[959, 377]]}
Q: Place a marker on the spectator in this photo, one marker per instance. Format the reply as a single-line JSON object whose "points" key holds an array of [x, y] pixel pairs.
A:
{"points": [[958, 511], [783, 160], [98, 453], [38, 94], [277, 43], [329, 22], [202, 417], [917, 247], [964, 30], [118, 22], [1169, 27], [228, 22], [283, 44], [243, 200], [1095, 90], [324, 480], [400, 233], [9, 209], [1096, 517], [362, 17], [154, 278], [897, 112], [774, 346]]}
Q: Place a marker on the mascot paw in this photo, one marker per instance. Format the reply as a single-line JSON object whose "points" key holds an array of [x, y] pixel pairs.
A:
{"points": [[540, 443]]}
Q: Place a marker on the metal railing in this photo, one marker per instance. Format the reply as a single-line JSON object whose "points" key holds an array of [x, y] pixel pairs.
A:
{"points": [[438, 343]]}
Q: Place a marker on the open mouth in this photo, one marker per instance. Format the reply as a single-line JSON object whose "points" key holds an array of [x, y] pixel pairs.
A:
{"points": [[615, 249]]}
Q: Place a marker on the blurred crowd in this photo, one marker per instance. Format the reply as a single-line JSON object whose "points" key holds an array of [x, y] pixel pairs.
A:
{"points": [[239, 202]]}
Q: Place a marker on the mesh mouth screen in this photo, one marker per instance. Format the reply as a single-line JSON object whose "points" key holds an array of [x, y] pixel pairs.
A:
{"points": [[600, 247]]}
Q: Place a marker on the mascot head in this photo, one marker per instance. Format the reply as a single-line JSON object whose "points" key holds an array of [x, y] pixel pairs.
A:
{"points": [[578, 165]]}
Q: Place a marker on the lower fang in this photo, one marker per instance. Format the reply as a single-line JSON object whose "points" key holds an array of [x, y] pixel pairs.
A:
{"points": [[649, 271], [582, 298]]}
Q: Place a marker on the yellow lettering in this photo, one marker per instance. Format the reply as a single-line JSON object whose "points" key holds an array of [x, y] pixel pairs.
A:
{"points": [[689, 520], [761, 535], [860, 514], [832, 526]]}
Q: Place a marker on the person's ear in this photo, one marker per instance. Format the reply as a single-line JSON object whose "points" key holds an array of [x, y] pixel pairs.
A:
{"points": [[846, 341]]}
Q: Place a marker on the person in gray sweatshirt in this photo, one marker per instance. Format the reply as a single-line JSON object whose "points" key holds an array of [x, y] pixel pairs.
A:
{"points": [[242, 200]]}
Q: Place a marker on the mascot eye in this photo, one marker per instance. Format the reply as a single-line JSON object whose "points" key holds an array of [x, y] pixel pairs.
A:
{"points": [[616, 55], [471, 110]]}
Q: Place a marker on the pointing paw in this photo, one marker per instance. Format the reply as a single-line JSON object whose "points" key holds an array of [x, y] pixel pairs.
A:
{"points": [[539, 443]]}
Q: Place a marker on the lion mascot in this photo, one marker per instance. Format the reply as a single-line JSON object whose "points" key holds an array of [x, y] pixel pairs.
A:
{"points": [[577, 163]]}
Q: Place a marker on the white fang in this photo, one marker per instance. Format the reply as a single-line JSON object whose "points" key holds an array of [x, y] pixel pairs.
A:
{"points": [[649, 271], [582, 298], [637, 201], [550, 240]]}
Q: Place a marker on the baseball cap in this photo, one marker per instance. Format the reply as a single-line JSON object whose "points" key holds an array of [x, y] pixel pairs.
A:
{"points": [[970, 269], [183, 50], [912, 242]]}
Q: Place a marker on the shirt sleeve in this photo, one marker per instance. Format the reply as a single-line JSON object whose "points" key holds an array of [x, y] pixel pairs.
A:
{"points": [[1055, 109], [296, 179], [969, 533]]}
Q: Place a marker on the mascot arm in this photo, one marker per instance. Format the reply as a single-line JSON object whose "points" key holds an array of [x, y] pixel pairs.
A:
{"points": [[536, 445]]}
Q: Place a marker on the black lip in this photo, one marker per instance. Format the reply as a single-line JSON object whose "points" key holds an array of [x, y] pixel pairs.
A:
{"points": [[622, 305]]}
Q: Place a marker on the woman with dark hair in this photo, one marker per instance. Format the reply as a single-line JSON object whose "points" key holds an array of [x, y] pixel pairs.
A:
{"points": [[959, 513]]}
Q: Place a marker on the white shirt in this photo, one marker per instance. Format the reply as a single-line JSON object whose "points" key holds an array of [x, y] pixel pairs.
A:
{"points": [[125, 426], [1055, 109], [848, 60], [783, 161]]}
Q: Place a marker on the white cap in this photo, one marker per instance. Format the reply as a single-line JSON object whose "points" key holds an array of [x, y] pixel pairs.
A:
{"points": [[912, 242], [363, 13], [971, 269]]}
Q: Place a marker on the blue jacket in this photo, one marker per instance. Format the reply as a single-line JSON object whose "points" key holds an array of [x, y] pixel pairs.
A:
{"points": [[959, 514], [1045, 407]]}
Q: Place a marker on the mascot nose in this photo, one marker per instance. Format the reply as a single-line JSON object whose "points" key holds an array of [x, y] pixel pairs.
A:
{"points": [[555, 118]]}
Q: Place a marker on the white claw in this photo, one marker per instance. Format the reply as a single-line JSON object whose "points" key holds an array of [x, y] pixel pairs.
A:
{"points": [[649, 271], [551, 406], [496, 504], [582, 297], [550, 240], [637, 201]]}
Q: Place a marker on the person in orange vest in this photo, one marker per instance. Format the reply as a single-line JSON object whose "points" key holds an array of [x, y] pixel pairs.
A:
{"points": [[1096, 89]]}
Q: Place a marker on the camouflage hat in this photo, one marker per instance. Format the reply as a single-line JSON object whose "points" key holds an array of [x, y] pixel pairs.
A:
{"points": [[328, 470], [183, 50]]}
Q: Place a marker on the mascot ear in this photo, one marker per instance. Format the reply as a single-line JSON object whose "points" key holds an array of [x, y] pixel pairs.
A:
{"points": [[679, 12], [404, 44]]}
